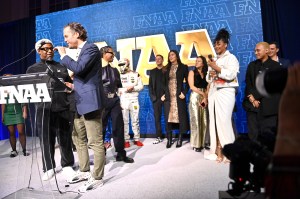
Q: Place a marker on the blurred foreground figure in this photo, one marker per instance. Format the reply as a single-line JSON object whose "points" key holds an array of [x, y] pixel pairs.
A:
{"points": [[283, 180]]}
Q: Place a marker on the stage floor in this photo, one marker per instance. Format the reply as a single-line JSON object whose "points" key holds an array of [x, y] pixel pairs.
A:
{"points": [[157, 173]]}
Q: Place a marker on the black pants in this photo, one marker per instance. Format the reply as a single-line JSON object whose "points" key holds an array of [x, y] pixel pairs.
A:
{"points": [[50, 125], [157, 108], [262, 128], [114, 111]]}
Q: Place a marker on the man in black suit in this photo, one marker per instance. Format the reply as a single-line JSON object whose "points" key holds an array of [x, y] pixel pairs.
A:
{"points": [[111, 82], [274, 49], [156, 92], [262, 112]]}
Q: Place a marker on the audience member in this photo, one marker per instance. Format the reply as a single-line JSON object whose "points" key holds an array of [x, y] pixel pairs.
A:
{"points": [[222, 78], [53, 118], [112, 81], [174, 97], [89, 104], [129, 96], [198, 104], [155, 93]]}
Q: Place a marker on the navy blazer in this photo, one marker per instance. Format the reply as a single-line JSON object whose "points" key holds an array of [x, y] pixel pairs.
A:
{"points": [[87, 78]]}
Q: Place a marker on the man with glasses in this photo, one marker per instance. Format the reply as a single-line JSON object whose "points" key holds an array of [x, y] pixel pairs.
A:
{"points": [[53, 118], [111, 82]]}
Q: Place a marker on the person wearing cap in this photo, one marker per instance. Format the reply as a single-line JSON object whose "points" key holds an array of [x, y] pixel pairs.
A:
{"points": [[53, 118]]}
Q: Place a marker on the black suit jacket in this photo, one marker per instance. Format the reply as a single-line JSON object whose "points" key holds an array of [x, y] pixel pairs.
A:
{"points": [[268, 106], [284, 62], [155, 78]]}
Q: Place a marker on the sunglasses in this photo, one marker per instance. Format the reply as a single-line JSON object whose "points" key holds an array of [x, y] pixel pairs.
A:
{"points": [[47, 49]]}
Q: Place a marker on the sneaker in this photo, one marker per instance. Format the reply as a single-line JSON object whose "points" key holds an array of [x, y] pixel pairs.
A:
{"points": [[68, 173], [157, 140], [79, 176], [126, 145], [138, 143], [48, 175], [13, 154], [91, 184]]}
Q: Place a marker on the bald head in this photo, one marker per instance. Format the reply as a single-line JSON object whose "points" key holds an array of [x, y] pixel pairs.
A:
{"points": [[262, 50]]}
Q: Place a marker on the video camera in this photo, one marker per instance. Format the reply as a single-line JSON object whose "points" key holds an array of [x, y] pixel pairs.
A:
{"points": [[242, 153]]}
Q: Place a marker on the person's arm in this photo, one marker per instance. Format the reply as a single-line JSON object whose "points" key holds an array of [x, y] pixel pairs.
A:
{"points": [[24, 110], [85, 62], [139, 85], [230, 69], [3, 109], [151, 89], [191, 84]]}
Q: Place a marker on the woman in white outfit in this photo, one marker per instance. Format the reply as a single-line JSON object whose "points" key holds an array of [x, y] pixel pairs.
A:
{"points": [[222, 77]]}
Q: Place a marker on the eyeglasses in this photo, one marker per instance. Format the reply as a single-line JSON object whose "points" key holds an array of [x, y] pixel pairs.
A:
{"points": [[47, 49], [111, 53]]}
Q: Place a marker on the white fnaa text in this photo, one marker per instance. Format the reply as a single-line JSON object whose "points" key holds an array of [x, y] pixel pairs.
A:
{"points": [[27, 93]]}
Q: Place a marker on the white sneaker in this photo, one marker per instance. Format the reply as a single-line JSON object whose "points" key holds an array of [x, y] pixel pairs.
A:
{"points": [[48, 175], [91, 184], [79, 176], [157, 140], [68, 173]]}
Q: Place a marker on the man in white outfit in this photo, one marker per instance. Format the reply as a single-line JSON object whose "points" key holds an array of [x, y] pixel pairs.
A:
{"points": [[129, 94]]}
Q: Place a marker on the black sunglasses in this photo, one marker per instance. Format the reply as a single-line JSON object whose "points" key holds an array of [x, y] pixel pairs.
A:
{"points": [[47, 49]]}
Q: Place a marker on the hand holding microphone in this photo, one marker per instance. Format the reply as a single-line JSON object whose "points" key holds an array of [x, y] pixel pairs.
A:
{"points": [[61, 50], [212, 64]]}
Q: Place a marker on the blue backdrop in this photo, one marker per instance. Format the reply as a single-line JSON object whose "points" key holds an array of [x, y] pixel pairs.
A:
{"points": [[122, 19]]}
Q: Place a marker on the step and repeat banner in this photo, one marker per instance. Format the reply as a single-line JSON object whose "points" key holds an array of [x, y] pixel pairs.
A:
{"points": [[140, 29]]}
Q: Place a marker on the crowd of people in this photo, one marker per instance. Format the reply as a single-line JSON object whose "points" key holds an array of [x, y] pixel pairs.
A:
{"points": [[101, 94]]}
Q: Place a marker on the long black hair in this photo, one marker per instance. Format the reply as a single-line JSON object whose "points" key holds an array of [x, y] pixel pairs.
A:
{"points": [[204, 67]]}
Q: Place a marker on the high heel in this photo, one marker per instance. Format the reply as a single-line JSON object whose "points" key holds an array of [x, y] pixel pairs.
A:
{"points": [[169, 137], [179, 141]]}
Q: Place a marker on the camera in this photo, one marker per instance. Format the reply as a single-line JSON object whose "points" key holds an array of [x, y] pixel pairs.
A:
{"points": [[242, 153]]}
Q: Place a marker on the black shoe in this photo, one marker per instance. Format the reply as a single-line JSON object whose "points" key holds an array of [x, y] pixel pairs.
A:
{"points": [[198, 149], [179, 141], [25, 153], [124, 159]]}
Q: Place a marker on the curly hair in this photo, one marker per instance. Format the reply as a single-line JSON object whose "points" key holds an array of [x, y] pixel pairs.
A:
{"points": [[223, 35]]}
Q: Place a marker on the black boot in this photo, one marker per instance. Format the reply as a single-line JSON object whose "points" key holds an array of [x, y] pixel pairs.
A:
{"points": [[179, 141], [169, 137]]}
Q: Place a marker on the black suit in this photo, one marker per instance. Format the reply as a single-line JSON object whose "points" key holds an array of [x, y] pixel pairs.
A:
{"points": [[261, 120], [156, 92]]}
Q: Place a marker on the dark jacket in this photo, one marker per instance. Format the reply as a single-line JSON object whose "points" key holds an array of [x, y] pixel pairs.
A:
{"points": [[155, 78], [59, 101], [268, 106]]}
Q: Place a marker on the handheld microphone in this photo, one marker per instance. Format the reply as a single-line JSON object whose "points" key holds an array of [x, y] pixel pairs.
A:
{"points": [[271, 81], [210, 57]]}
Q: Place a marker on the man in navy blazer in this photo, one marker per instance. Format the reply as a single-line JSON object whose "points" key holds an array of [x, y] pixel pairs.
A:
{"points": [[88, 89], [274, 49]]}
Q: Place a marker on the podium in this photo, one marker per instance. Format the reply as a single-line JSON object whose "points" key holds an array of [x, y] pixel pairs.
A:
{"points": [[37, 89]]}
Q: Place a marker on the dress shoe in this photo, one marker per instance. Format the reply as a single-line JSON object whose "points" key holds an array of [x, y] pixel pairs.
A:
{"points": [[138, 143], [124, 159], [198, 149]]}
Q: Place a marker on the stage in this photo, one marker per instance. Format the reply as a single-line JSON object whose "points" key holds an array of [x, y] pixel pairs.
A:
{"points": [[157, 173]]}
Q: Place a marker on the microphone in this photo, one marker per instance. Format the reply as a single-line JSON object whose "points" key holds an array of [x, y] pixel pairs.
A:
{"points": [[271, 81], [210, 57]]}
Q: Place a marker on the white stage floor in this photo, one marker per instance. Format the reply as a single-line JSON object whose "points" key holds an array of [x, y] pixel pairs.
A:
{"points": [[157, 173]]}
